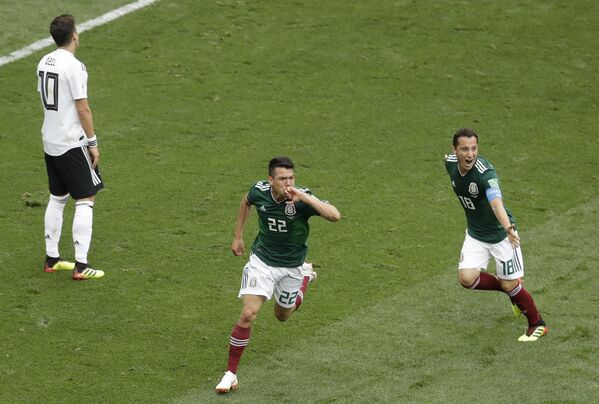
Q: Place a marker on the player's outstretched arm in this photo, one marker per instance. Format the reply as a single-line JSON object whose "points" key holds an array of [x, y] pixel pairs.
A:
{"points": [[237, 246], [326, 210], [504, 220]]}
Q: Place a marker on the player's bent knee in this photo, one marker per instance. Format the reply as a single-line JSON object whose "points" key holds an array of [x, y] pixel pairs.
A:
{"points": [[467, 277], [282, 317], [87, 199], [248, 315], [282, 314]]}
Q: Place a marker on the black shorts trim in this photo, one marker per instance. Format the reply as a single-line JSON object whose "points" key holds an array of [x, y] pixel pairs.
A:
{"points": [[72, 173]]}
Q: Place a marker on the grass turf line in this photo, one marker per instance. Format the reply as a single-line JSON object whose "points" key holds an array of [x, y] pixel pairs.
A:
{"points": [[28, 20], [190, 107]]}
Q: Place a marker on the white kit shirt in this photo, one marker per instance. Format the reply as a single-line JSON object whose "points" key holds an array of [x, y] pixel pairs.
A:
{"points": [[62, 79]]}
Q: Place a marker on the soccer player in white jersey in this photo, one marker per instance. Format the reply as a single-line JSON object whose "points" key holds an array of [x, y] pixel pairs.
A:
{"points": [[70, 148]]}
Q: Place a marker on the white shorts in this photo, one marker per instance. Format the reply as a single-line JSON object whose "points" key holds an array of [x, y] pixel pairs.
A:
{"points": [[476, 254], [262, 280]]}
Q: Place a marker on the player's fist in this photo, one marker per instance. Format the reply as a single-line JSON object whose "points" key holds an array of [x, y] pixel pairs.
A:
{"points": [[293, 194], [237, 247]]}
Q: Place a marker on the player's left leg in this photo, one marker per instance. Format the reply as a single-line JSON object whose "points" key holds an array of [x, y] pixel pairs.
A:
{"points": [[474, 258], [82, 237], [257, 283], [240, 338], [510, 270], [283, 313], [309, 276], [290, 291]]}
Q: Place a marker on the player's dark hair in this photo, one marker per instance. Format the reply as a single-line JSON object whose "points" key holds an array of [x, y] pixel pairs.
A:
{"points": [[464, 132], [62, 28], [281, 161]]}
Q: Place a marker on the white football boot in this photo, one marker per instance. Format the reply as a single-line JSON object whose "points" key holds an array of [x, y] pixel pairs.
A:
{"points": [[229, 382]]}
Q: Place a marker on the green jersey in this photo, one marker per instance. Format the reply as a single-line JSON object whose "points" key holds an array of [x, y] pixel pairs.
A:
{"points": [[283, 227], [475, 190]]}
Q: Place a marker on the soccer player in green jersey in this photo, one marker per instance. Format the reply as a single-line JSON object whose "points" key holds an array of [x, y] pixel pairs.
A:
{"points": [[491, 232], [277, 260]]}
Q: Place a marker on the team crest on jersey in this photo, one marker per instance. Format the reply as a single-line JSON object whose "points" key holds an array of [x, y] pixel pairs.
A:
{"points": [[253, 282], [290, 209], [473, 189]]}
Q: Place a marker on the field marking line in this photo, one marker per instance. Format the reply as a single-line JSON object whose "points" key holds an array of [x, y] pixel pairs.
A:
{"points": [[94, 22]]}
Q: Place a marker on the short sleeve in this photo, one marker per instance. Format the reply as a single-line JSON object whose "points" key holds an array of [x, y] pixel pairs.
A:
{"points": [[490, 184], [255, 189], [77, 78], [449, 160], [250, 196]]}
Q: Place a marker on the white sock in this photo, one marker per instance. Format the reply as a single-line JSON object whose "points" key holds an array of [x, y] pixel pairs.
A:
{"points": [[53, 223], [82, 229]]}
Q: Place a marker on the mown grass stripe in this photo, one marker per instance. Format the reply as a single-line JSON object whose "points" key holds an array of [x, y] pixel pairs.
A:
{"points": [[417, 346], [95, 22]]}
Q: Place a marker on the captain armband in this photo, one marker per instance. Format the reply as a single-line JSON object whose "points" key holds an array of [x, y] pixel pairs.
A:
{"points": [[493, 193]]}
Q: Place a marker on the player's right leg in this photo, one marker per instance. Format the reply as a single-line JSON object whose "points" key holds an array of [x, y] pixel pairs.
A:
{"points": [[474, 255], [52, 229], [53, 217], [240, 338], [257, 286]]}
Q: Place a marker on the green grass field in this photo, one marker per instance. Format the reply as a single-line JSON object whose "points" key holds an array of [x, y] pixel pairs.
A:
{"points": [[191, 99]]}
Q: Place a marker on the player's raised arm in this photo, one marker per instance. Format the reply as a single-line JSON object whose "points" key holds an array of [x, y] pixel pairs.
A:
{"points": [[324, 209], [237, 246]]}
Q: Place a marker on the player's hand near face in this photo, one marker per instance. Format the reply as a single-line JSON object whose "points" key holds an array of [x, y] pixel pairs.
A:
{"points": [[293, 194], [325, 209]]}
